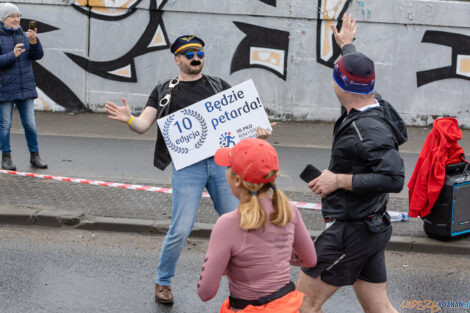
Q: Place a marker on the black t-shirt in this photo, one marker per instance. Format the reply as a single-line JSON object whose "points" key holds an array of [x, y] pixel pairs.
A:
{"points": [[184, 94]]}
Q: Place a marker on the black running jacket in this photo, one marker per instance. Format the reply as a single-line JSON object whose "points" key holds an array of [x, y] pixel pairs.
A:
{"points": [[365, 144]]}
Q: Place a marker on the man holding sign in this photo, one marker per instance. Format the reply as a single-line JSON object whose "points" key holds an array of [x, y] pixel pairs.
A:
{"points": [[189, 182]]}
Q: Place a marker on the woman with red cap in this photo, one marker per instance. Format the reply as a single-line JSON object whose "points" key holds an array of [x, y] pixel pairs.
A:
{"points": [[255, 244]]}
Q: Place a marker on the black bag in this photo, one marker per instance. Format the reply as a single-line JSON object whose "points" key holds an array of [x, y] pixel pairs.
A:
{"points": [[450, 215]]}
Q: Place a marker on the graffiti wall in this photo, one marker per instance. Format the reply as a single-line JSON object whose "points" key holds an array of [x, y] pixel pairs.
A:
{"points": [[100, 50]]}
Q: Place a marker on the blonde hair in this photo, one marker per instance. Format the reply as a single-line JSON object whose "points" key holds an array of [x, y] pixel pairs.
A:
{"points": [[252, 213]]}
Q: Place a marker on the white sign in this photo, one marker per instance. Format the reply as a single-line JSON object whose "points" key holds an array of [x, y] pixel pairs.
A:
{"points": [[196, 132]]}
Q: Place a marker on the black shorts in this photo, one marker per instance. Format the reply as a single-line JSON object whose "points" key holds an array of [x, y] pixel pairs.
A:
{"points": [[347, 251]]}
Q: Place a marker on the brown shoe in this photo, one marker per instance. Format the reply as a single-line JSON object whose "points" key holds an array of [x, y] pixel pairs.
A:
{"points": [[163, 294]]}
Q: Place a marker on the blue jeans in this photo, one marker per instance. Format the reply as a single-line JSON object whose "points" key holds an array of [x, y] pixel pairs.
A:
{"points": [[188, 185], [26, 109]]}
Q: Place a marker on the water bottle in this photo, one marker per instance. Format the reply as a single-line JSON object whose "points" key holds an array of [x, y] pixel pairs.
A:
{"points": [[398, 216]]}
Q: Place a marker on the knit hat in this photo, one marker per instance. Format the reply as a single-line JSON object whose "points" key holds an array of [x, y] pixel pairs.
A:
{"points": [[355, 73], [7, 9], [252, 159]]}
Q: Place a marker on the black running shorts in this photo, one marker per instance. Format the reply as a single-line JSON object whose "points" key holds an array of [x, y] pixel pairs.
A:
{"points": [[347, 251]]}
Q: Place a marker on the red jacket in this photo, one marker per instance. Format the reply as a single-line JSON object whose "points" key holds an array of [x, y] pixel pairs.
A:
{"points": [[439, 150]]}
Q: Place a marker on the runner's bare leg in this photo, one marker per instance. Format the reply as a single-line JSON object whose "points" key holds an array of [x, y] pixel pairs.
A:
{"points": [[373, 297], [316, 292]]}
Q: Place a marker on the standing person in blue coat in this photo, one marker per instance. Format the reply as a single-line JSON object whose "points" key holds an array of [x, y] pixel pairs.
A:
{"points": [[17, 84]]}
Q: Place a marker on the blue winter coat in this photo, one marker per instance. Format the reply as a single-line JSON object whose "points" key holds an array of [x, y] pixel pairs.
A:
{"points": [[16, 73]]}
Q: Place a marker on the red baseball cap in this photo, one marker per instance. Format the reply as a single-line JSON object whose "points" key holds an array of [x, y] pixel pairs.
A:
{"points": [[252, 159]]}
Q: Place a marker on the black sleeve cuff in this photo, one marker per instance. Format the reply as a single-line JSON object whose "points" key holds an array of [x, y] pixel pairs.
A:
{"points": [[348, 49]]}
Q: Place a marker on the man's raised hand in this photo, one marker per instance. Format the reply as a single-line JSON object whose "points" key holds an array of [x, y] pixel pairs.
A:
{"points": [[120, 113], [348, 30]]}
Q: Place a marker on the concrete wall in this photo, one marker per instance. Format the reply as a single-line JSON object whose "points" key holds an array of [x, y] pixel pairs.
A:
{"points": [[100, 50]]}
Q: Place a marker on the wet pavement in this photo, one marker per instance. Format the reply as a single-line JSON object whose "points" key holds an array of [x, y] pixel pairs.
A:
{"points": [[76, 271]]}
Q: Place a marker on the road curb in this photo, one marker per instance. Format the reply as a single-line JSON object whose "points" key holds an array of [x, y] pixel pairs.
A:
{"points": [[63, 218], [56, 218], [16, 216], [40, 217], [428, 245], [120, 224]]}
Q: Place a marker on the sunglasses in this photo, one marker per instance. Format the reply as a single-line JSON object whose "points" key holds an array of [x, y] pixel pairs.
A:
{"points": [[190, 54]]}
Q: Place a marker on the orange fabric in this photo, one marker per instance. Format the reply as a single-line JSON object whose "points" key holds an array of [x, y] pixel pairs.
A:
{"points": [[439, 150], [290, 303]]}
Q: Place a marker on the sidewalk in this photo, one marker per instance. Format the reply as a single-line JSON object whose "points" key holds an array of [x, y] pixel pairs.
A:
{"points": [[35, 201]]}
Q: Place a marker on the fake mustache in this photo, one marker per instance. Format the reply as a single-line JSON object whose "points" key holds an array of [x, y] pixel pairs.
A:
{"points": [[195, 62]]}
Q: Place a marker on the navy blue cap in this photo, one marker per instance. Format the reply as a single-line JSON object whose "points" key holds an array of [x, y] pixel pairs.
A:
{"points": [[185, 42]]}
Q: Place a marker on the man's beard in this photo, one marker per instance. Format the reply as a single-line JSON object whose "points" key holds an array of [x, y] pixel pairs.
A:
{"points": [[191, 69]]}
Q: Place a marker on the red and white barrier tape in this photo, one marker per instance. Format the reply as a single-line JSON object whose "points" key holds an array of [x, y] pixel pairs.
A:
{"points": [[303, 205]]}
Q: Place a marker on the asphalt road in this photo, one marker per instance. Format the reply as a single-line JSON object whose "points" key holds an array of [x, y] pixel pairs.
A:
{"points": [[67, 270], [131, 161]]}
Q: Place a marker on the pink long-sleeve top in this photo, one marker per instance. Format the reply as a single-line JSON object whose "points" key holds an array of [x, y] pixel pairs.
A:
{"points": [[257, 262]]}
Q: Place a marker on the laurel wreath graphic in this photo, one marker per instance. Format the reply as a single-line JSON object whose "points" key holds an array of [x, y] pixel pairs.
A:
{"points": [[198, 144]]}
